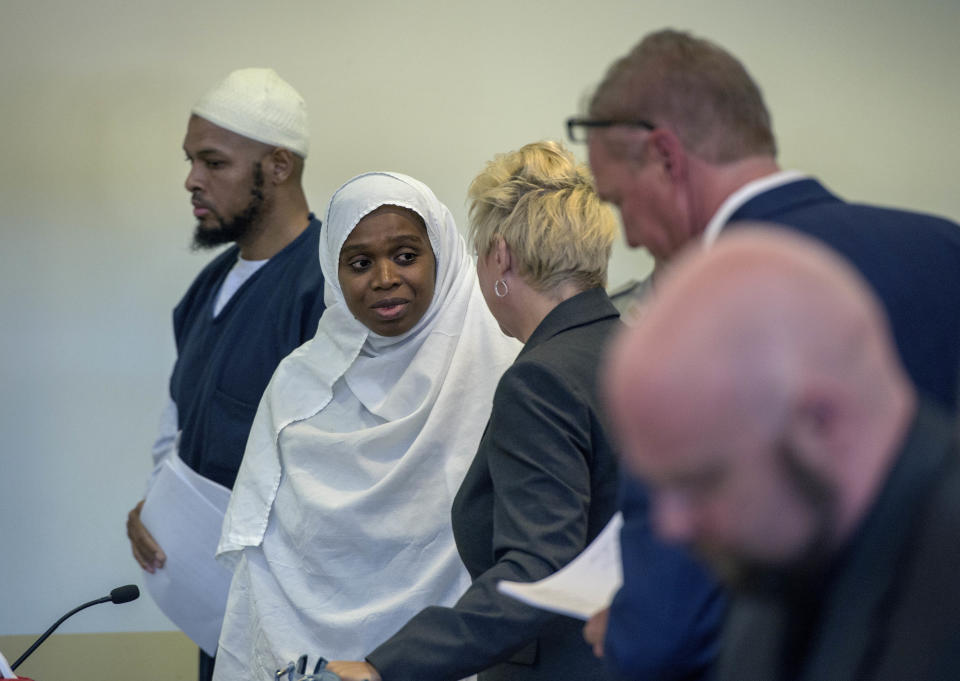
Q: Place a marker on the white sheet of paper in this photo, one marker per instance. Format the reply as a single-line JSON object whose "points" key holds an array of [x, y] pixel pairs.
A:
{"points": [[585, 585], [5, 668], [184, 513]]}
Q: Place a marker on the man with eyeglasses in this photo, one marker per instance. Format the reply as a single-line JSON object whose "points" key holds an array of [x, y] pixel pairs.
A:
{"points": [[681, 141]]}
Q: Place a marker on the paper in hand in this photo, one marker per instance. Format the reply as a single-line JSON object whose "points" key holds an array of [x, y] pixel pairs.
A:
{"points": [[584, 586], [184, 513]]}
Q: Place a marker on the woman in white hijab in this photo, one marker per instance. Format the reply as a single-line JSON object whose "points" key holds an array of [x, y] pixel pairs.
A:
{"points": [[543, 483], [338, 528]]}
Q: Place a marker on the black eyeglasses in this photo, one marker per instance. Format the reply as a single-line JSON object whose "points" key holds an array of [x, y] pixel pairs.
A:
{"points": [[579, 128]]}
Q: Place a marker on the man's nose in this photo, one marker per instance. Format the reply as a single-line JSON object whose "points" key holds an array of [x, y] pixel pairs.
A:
{"points": [[192, 183]]}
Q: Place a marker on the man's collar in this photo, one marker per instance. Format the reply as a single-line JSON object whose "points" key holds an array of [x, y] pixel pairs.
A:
{"points": [[744, 194]]}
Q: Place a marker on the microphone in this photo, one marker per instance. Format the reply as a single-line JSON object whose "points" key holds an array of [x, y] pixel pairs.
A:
{"points": [[122, 594]]}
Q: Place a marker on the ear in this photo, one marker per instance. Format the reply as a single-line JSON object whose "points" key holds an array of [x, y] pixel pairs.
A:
{"points": [[502, 258], [667, 150], [813, 430], [281, 165]]}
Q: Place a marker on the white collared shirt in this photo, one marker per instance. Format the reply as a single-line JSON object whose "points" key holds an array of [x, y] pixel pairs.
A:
{"points": [[730, 206], [744, 194]]}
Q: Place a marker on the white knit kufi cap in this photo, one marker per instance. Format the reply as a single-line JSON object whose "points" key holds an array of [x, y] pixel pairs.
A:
{"points": [[259, 104]]}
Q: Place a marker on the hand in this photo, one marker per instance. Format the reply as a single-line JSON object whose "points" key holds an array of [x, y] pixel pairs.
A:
{"points": [[147, 552], [354, 671], [595, 630]]}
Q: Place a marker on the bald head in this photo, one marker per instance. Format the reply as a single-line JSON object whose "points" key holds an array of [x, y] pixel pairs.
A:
{"points": [[761, 397]]}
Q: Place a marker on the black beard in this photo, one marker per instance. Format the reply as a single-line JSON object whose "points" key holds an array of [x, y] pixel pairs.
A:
{"points": [[240, 226]]}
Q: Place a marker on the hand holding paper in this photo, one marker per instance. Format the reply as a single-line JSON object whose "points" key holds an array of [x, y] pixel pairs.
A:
{"points": [[584, 586], [183, 512]]}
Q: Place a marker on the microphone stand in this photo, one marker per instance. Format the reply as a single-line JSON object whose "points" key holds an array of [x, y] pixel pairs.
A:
{"points": [[56, 624], [122, 594]]}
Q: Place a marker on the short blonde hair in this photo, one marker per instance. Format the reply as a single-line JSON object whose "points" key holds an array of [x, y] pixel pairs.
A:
{"points": [[544, 205]]}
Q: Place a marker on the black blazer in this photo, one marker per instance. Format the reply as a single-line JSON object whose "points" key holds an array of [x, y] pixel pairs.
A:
{"points": [[542, 486]]}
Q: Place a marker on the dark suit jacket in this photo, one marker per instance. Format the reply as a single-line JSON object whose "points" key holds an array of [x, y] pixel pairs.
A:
{"points": [[911, 260], [542, 486], [889, 609]]}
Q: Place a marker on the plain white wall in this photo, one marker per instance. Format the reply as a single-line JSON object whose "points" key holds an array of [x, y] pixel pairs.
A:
{"points": [[96, 225]]}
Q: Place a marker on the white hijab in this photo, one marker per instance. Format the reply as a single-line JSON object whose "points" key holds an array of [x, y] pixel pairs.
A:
{"points": [[361, 441]]}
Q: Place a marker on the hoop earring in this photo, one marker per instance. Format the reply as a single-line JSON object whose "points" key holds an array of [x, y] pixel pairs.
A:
{"points": [[496, 288]]}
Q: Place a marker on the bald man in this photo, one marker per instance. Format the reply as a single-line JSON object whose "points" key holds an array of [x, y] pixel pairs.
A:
{"points": [[762, 400], [246, 142]]}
